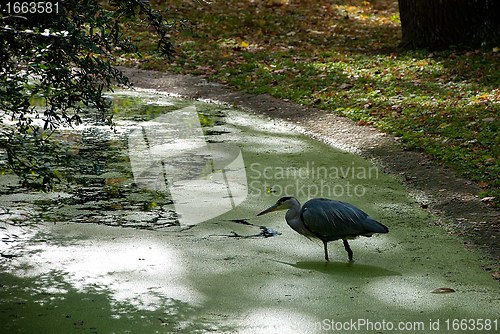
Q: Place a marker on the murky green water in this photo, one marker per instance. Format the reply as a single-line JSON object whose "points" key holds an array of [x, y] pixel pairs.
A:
{"points": [[104, 255]]}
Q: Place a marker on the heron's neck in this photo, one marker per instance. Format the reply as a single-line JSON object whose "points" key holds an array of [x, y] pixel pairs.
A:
{"points": [[292, 217], [293, 212]]}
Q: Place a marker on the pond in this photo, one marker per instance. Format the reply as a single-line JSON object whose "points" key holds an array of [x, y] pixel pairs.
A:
{"points": [[157, 233]]}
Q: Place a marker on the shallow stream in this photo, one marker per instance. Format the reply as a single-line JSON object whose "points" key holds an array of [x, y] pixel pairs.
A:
{"points": [[156, 233]]}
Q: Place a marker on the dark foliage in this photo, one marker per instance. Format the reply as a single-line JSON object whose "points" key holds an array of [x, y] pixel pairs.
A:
{"points": [[61, 61]]}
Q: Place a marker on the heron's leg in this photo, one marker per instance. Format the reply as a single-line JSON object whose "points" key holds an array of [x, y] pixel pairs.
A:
{"points": [[348, 249], [326, 250]]}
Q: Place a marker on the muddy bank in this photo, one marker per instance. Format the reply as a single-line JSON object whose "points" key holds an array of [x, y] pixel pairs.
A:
{"points": [[452, 199]]}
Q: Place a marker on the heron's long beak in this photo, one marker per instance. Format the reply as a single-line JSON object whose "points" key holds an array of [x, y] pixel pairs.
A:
{"points": [[275, 207]]}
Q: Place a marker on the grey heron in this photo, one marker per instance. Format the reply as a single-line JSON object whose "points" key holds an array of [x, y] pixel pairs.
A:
{"points": [[327, 220]]}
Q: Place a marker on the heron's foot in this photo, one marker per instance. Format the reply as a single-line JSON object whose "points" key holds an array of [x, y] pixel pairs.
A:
{"points": [[348, 249]]}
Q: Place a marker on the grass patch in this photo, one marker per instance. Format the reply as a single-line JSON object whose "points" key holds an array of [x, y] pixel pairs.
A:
{"points": [[343, 56]]}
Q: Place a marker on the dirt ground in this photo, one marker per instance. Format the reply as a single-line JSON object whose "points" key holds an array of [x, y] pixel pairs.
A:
{"points": [[451, 199]]}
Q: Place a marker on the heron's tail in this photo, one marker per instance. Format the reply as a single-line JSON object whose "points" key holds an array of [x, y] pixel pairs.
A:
{"points": [[374, 226]]}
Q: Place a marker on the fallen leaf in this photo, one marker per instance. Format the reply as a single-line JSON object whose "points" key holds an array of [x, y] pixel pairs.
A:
{"points": [[443, 290], [363, 123]]}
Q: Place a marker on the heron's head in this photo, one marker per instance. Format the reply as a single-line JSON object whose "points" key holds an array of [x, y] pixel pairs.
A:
{"points": [[284, 203]]}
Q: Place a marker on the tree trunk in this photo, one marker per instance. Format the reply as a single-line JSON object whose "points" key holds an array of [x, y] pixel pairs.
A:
{"points": [[439, 24]]}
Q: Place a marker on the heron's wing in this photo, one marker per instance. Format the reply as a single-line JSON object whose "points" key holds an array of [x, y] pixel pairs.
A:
{"points": [[332, 220]]}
